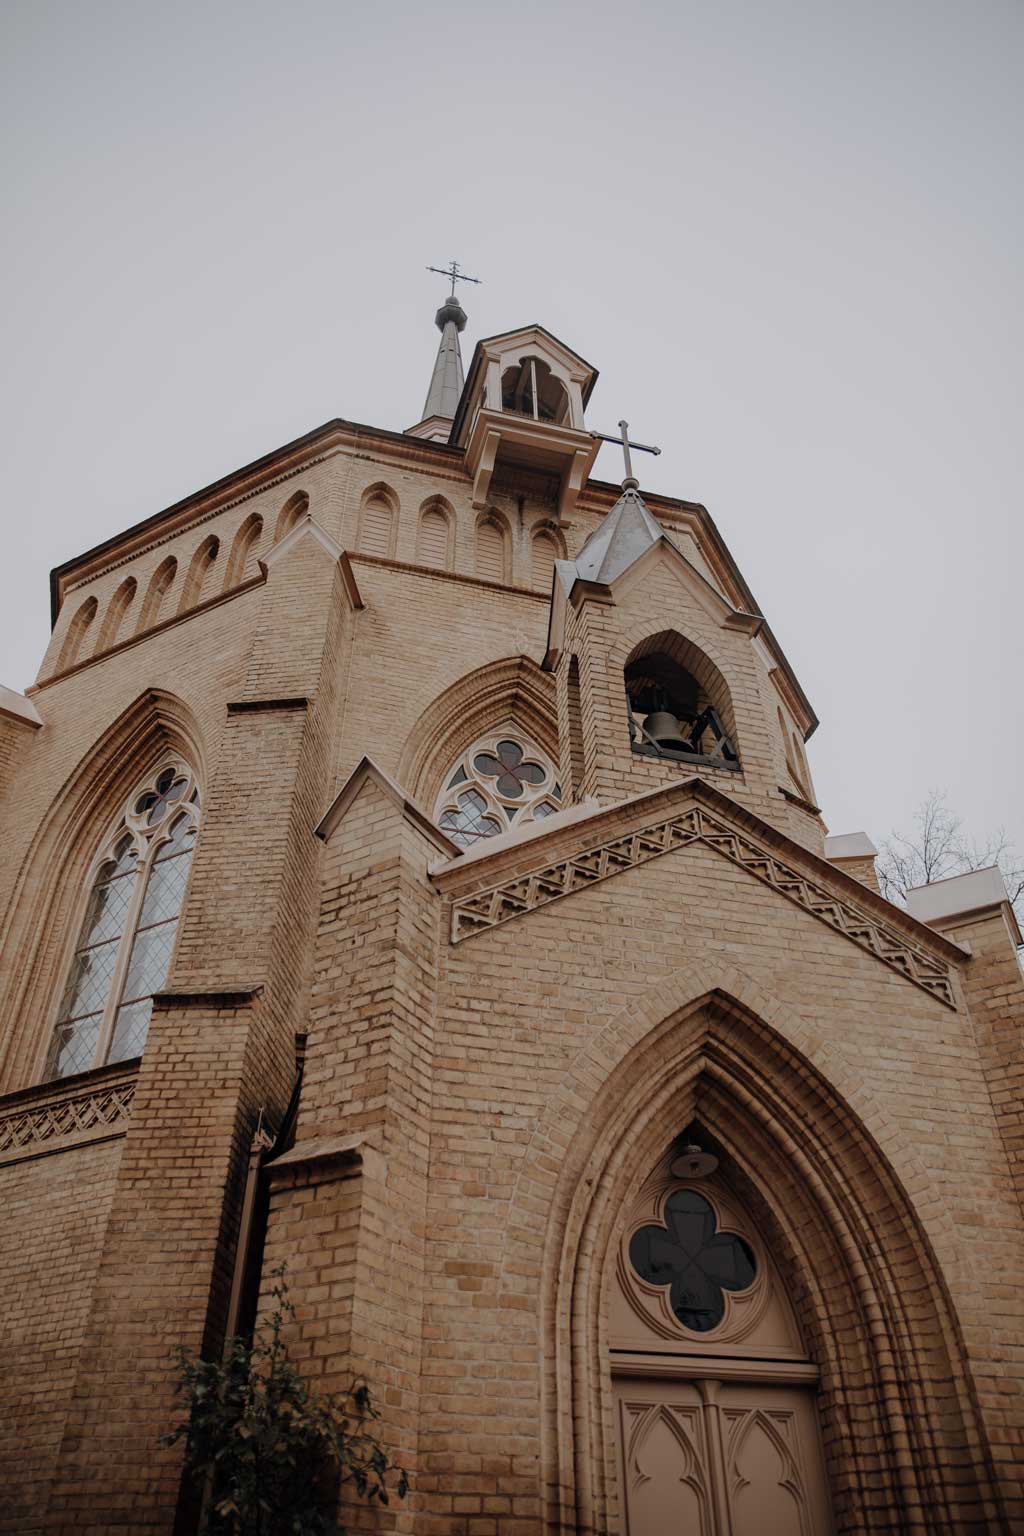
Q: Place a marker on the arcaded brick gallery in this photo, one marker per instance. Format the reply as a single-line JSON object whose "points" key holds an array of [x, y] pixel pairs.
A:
{"points": [[659, 1176]]}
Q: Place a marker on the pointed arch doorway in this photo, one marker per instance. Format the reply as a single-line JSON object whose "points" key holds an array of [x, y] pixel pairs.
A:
{"points": [[714, 1393]]}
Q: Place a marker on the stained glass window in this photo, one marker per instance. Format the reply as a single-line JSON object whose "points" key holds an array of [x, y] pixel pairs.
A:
{"points": [[695, 1260], [127, 938], [502, 781]]}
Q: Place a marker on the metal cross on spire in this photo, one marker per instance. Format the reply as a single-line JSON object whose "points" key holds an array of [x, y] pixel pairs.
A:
{"points": [[452, 271], [625, 444]]}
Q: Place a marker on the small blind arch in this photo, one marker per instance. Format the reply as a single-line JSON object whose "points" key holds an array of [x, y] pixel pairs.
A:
{"points": [[115, 614], [160, 584], [491, 550], [432, 537], [292, 513], [545, 549], [197, 580], [377, 524], [242, 559], [74, 640]]}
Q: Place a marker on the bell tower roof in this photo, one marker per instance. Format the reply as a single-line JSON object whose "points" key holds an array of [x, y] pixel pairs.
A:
{"points": [[628, 531]]}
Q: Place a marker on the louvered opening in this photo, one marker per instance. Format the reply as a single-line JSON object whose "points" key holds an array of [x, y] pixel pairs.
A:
{"points": [[543, 557], [432, 542], [490, 552], [375, 529]]}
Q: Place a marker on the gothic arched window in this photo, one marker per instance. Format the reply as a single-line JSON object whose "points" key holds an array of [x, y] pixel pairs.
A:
{"points": [[125, 945], [503, 781]]}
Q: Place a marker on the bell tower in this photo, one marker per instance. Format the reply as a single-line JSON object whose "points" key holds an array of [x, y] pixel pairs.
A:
{"points": [[666, 671]]}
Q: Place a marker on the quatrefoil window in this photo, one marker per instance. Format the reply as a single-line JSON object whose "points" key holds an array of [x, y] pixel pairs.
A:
{"points": [[509, 769], [696, 1261], [501, 782]]}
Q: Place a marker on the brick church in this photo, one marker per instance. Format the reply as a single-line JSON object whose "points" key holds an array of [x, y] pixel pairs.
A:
{"points": [[413, 873]]}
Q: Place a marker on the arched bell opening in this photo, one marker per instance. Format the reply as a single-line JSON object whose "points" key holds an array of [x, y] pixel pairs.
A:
{"points": [[678, 704], [529, 388], [800, 1178]]}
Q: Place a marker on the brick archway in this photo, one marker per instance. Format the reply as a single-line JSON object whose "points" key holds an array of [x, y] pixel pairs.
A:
{"points": [[905, 1449]]}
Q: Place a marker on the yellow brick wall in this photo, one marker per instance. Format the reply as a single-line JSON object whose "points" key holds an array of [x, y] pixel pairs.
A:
{"points": [[419, 1255]]}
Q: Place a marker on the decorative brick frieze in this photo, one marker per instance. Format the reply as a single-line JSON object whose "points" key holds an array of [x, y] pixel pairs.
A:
{"points": [[78, 1110], [512, 898]]}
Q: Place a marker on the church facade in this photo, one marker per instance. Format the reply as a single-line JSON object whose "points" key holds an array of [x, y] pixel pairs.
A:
{"points": [[413, 875]]}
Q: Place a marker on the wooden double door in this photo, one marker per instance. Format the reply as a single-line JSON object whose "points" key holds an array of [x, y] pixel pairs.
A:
{"points": [[707, 1457]]}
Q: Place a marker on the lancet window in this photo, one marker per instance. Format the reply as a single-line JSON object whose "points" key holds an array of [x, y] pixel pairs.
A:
{"points": [[502, 781], [126, 941]]}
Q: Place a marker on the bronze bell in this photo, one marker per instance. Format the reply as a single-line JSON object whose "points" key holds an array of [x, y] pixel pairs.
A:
{"points": [[663, 728]]}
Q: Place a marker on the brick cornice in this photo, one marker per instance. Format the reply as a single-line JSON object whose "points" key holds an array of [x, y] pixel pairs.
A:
{"points": [[323, 1159], [244, 998], [386, 563]]}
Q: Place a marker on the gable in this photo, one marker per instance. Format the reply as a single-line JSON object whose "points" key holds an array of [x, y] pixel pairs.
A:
{"points": [[521, 893]]}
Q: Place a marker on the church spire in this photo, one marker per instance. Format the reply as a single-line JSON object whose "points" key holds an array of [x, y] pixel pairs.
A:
{"points": [[447, 379]]}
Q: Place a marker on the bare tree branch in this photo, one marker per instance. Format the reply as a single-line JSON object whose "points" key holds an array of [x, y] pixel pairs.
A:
{"points": [[938, 848]]}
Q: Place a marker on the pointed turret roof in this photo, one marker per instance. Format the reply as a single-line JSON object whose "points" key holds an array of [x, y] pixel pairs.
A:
{"points": [[446, 380], [628, 531]]}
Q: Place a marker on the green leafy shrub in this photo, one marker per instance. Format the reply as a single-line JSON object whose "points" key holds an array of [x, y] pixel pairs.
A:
{"points": [[265, 1453]]}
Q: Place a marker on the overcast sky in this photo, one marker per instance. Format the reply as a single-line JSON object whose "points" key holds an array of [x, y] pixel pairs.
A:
{"points": [[788, 234]]}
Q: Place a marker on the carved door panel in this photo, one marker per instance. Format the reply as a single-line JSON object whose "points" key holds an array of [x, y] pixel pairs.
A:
{"points": [[709, 1458]]}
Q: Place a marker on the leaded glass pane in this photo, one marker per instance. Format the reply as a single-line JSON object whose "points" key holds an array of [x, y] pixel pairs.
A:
{"points": [[165, 890], [108, 906], [74, 1047], [485, 763], [468, 823], [540, 812], [458, 777], [126, 858], [183, 834], [151, 955], [695, 1260], [131, 1029], [88, 1006], [168, 796], [89, 983]]}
